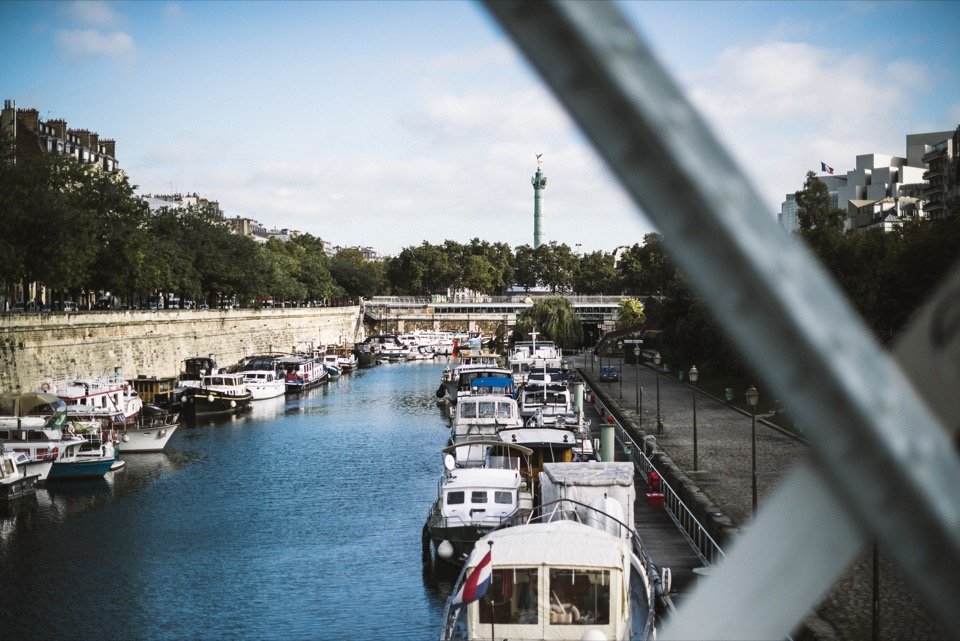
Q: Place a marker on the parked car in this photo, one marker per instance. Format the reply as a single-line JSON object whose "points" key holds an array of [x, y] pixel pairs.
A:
{"points": [[609, 374]]}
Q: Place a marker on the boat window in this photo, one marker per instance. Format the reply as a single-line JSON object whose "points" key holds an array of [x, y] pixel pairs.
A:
{"points": [[456, 498], [503, 497], [478, 496], [503, 410], [4, 434], [511, 597], [579, 597], [487, 409], [468, 410]]}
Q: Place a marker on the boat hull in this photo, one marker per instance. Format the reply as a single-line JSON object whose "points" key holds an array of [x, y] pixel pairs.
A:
{"points": [[460, 539], [147, 439], [15, 488], [80, 469]]}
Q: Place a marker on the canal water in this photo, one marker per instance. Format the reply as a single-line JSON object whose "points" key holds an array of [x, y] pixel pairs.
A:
{"points": [[301, 519]]}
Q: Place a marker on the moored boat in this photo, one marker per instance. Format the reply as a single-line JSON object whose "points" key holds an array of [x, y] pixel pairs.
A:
{"points": [[15, 483], [573, 569], [301, 373], [220, 393], [475, 498]]}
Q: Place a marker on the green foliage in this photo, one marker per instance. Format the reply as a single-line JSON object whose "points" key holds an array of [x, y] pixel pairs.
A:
{"points": [[630, 314], [554, 318], [357, 277]]}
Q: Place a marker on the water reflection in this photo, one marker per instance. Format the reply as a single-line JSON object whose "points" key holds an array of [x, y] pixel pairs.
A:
{"points": [[280, 522]]}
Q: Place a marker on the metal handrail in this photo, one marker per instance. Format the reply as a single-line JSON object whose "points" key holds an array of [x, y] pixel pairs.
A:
{"points": [[707, 548]]}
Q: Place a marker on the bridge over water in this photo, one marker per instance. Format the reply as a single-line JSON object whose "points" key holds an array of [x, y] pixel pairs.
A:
{"points": [[406, 313]]}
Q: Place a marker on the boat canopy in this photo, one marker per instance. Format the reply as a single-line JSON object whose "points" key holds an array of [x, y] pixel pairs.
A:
{"points": [[560, 543], [495, 382]]}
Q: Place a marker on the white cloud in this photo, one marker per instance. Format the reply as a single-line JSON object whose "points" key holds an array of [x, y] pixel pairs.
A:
{"points": [[85, 43], [93, 12], [783, 107]]}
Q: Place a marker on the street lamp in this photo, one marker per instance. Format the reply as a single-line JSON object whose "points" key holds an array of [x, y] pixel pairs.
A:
{"points": [[620, 375], [609, 357], [694, 375], [753, 396], [636, 376], [656, 361]]}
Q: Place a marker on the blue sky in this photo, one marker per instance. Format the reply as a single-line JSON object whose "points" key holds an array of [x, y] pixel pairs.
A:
{"points": [[392, 123]]}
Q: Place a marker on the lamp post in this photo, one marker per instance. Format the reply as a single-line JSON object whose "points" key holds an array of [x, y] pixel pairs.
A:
{"points": [[656, 361], [636, 375], [694, 375], [753, 396], [609, 357], [620, 366]]}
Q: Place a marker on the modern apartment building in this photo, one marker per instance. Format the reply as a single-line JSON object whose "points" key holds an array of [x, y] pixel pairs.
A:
{"points": [[884, 190]]}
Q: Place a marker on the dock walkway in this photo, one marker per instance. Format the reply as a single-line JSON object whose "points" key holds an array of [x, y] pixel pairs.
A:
{"points": [[723, 477]]}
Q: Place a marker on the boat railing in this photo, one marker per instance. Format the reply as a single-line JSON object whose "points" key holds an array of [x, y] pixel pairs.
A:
{"points": [[570, 509]]}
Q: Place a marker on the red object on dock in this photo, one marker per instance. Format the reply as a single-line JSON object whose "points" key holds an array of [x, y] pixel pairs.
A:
{"points": [[653, 480], [610, 419], [655, 499]]}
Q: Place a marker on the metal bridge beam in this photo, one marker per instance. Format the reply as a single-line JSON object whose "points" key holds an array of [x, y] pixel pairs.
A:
{"points": [[879, 449]]}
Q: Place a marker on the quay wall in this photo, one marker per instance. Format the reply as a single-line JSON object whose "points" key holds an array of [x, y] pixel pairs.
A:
{"points": [[34, 347]]}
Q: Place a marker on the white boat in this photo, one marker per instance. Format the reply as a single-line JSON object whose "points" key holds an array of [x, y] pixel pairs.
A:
{"points": [[32, 424], [574, 569], [264, 384], [473, 500], [524, 357], [15, 482], [159, 418], [457, 381], [332, 364], [301, 373], [110, 399], [547, 401], [479, 417]]}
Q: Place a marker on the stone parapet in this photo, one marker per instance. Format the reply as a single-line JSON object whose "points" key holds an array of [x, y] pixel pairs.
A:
{"points": [[34, 347]]}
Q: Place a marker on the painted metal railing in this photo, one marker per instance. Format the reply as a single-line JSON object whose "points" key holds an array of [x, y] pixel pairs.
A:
{"points": [[699, 537]]}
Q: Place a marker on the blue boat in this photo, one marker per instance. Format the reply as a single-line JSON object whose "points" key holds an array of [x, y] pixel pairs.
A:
{"points": [[81, 468]]}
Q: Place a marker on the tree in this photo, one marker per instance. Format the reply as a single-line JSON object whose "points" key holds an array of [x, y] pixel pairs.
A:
{"points": [[630, 313], [554, 318], [357, 276], [814, 209], [597, 274]]}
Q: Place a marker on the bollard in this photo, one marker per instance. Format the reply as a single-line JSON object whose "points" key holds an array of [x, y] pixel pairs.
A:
{"points": [[607, 442], [578, 400]]}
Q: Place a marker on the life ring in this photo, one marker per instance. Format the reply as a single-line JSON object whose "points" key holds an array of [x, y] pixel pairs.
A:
{"points": [[45, 387]]}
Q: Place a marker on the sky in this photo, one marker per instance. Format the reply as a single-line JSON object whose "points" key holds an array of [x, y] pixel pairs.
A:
{"points": [[387, 124]]}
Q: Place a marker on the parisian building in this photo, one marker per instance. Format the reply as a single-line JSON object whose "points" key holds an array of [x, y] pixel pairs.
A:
{"points": [[884, 190]]}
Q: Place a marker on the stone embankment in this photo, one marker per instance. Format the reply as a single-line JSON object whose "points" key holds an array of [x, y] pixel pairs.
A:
{"points": [[720, 491], [34, 347]]}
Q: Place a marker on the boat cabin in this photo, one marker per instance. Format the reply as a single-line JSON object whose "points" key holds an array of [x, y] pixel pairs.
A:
{"points": [[555, 580]]}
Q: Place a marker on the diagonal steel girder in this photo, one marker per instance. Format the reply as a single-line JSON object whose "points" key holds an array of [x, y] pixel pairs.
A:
{"points": [[874, 440]]}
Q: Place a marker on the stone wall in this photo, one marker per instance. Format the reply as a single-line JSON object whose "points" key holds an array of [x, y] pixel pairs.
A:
{"points": [[34, 347]]}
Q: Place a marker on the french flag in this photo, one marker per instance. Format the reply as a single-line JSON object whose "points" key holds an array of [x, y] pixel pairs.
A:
{"points": [[477, 582], [825, 167]]}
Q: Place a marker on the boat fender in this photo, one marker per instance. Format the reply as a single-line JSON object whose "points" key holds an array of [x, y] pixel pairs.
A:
{"points": [[45, 387], [233, 403], [666, 580], [126, 438], [593, 635], [209, 398], [440, 392], [445, 549]]}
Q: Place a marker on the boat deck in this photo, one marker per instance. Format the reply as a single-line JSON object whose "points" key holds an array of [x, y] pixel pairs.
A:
{"points": [[666, 543]]}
